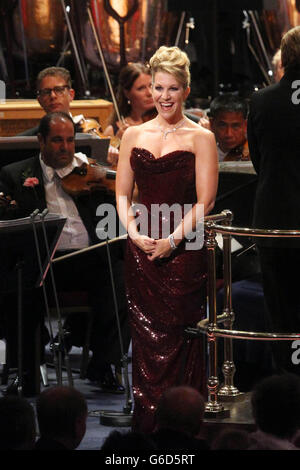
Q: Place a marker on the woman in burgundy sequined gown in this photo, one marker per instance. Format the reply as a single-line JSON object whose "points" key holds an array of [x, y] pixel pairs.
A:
{"points": [[173, 161]]}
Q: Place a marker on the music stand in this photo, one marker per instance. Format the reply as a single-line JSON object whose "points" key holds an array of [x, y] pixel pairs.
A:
{"points": [[19, 268]]}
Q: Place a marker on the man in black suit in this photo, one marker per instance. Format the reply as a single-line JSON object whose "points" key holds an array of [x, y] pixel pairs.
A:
{"points": [[85, 272], [274, 142]]}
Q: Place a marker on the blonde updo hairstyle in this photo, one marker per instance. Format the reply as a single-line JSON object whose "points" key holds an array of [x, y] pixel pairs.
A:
{"points": [[174, 61]]}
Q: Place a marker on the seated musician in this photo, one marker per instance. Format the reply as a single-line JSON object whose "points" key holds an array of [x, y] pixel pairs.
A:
{"points": [[55, 93], [134, 99], [87, 272], [278, 70], [228, 121]]}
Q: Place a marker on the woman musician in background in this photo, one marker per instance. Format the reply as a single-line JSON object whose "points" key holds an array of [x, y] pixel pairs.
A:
{"points": [[134, 99]]}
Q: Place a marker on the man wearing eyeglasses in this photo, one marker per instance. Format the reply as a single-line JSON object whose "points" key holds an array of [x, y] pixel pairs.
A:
{"points": [[54, 93]]}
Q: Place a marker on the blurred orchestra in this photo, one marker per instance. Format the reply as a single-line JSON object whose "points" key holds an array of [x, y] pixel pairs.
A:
{"points": [[41, 33]]}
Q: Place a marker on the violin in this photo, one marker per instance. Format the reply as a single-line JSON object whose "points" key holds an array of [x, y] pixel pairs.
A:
{"points": [[89, 177], [8, 207], [91, 126], [7, 201], [240, 153]]}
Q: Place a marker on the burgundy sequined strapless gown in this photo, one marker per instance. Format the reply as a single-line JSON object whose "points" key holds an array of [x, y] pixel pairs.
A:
{"points": [[166, 296]]}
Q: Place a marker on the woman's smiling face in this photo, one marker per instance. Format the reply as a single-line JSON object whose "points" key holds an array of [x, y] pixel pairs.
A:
{"points": [[169, 96]]}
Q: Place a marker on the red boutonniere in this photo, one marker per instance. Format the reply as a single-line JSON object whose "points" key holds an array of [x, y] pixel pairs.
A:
{"points": [[31, 182]]}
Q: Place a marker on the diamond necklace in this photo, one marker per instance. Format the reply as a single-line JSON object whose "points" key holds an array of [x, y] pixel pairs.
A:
{"points": [[170, 130]]}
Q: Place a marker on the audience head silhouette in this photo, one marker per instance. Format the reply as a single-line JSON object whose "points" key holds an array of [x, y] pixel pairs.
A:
{"points": [[17, 424], [231, 439], [61, 414], [127, 441], [181, 408], [276, 405]]}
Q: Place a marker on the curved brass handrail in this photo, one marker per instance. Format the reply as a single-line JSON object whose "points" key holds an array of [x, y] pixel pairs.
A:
{"points": [[254, 232], [252, 335], [221, 223]]}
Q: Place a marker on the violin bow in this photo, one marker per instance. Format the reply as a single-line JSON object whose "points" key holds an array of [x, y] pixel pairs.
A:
{"points": [[103, 61], [74, 46], [89, 248]]}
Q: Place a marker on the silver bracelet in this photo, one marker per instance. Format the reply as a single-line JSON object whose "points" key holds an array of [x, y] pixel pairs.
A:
{"points": [[172, 241]]}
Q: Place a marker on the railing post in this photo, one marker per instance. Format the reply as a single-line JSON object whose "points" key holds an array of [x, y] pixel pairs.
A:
{"points": [[212, 407], [228, 391]]}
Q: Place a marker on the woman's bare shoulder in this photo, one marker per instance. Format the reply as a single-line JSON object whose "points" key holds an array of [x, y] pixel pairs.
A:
{"points": [[130, 136], [134, 131], [199, 136], [198, 129]]}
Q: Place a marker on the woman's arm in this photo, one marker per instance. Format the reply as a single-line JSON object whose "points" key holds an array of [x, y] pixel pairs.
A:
{"points": [[206, 174], [109, 131], [121, 128], [124, 192], [207, 170]]}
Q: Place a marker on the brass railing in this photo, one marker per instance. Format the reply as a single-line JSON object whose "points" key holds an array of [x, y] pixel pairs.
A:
{"points": [[210, 326]]}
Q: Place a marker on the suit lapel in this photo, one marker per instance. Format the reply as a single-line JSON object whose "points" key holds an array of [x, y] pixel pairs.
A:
{"points": [[33, 198], [40, 188]]}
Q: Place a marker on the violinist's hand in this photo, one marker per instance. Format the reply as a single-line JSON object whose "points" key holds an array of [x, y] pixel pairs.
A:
{"points": [[146, 244], [113, 155], [162, 250], [122, 128], [204, 122], [8, 207], [7, 201]]}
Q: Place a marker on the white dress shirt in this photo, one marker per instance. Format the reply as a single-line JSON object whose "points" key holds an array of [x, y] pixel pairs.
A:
{"points": [[221, 154], [74, 235]]}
